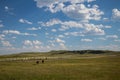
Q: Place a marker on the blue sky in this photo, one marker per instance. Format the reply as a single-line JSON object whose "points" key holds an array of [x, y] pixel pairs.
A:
{"points": [[44, 25]]}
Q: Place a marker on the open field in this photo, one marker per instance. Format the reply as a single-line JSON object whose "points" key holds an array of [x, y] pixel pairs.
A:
{"points": [[63, 67]]}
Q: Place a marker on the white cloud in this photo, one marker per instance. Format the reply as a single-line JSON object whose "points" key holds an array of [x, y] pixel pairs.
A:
{"points": [[25, 21], [6, 43], [64, 25], [63, 28], [43, 3], [54, 9], [28, 42], [117, 40], [9, 10], [60, 40], [52, 44], [62, 45], [34, 28], [14, 37], [90, 0], [106, 19], [61, 36], [6, 8], [51, 22], [49, 47], [101, 38], [74, 33], [108, 26], [2, 36], [80, 1], [71, 24], [80, 11], [112, 36], [28, 34], [116, 14], [53, 30], [32, 43], [46, 33], [102, 26], [85, 28], [36, 42], [86, 40], [1, 25], [11, 32], [92, 29], [75, 10], [17, 33]]}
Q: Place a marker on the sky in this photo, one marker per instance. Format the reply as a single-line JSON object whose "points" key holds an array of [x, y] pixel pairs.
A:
{"points": [[45, 25]]}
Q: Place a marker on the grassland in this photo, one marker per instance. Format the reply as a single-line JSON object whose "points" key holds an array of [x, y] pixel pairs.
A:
{"points": [[64, 67]]}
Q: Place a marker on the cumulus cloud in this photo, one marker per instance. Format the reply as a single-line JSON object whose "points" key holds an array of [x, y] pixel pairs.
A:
{"points": [[36, 42], [28, 42], [106, 19], [60, 40], [112, 36], [116, 14], [74, 33], [14, 37], [32, 43], [117, 40], [93, 29], [25, 21], [61, 36], [1, 25], [34, 28], [6, 8], [86, 40], [28, 34], [17, 33], [85, 28], [43, 3], [76, 9], [11, 32], [63, 45], [6, 43], [101, 38], [53, 30], [102, 26], [80, 11], [51, 22], [9, 10], [65, 24], [2, 36]]}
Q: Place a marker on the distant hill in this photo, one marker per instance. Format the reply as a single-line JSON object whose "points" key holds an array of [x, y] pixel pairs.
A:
{"points": [[59, 52], [82, 52]]}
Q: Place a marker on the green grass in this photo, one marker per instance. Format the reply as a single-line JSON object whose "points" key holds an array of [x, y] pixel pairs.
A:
{"points": [[102, 68]]}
